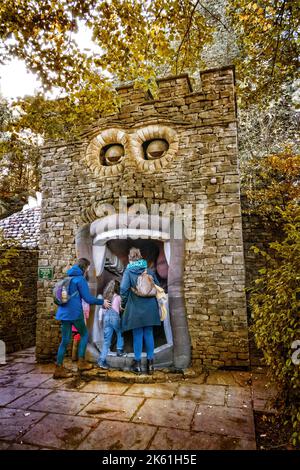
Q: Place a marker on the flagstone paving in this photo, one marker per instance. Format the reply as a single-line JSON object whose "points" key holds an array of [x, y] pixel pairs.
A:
{"points": [[203, 393], [116, 407], [129, 436], [8, 394], [184, 440], [111, 388], [170, 413], [29, 398], [153, 390], [192, 412], [62, 401], [16, 422], [233, 422], [60, 431]]}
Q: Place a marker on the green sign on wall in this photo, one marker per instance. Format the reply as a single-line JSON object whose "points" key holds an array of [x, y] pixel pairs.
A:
{"points": [[45, 272]]}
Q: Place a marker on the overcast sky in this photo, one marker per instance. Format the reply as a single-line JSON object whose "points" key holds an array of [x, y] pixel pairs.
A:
{"points": [[16, 81]]}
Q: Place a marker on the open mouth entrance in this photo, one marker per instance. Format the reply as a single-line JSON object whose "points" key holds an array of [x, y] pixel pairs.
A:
{"points": [[116, 260], [108, 250]]}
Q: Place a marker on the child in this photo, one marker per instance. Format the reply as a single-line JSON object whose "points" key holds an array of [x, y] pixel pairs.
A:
{"points": [[111, 322]]}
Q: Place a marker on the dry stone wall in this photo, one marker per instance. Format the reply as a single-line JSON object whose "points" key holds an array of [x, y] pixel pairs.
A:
{"points": [[23, 228]]}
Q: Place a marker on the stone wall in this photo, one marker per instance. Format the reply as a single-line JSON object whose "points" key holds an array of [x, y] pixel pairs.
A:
{"points": [[203, 170], [22, 334]]}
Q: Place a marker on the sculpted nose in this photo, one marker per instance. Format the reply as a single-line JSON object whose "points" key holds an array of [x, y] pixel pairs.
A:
{"points": [[132, 154], [129, 162]]}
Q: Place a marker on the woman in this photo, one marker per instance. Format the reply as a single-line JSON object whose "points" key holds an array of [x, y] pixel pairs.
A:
{"points": [[141, 313], [72, 314]]}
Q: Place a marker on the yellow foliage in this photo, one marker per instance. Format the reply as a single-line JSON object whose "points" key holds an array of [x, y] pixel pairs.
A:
{"points": [[267, 33]]}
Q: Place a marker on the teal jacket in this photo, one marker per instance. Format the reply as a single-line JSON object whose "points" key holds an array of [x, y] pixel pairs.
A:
{"points": [[139, 311]]}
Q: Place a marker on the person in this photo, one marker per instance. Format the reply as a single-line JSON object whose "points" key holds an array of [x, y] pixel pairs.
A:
{"points": [[72, 314], [111, 322], [141, 313], [76, 335]]}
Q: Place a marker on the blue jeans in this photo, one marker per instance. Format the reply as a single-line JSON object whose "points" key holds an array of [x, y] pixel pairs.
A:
{"points": [[111, 323], [66, 332], [139, 334]]}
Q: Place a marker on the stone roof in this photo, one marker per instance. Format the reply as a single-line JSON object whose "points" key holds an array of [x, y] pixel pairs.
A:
{"points": [[23, 227]]}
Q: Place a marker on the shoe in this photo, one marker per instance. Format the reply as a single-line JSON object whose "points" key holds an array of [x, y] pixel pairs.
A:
{"points": [[84, 365], [74, 351], [120, 352], [136, 367], [150, 368], [61, 372], [102, 365]]}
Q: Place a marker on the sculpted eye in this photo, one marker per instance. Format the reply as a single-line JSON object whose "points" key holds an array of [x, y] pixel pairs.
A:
{"points": [[155, 148], [111, 154], [105, 153]]}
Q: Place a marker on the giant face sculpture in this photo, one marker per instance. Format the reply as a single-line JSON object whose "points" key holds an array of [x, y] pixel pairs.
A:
{"points": [[107, 240]]}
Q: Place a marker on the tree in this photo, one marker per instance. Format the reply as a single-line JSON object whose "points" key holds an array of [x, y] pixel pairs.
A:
{"points": [[273, 185], [272, 130], [138, 40], [263, 131], [9, 286], [19, 157], [275, 295], [267, 33], [134, 40], [275, 305], [134, 37]]}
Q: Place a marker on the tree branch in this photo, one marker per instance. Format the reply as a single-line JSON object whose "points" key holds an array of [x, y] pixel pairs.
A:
{"points": [[214, 16], [185, 35], [278, 39]]}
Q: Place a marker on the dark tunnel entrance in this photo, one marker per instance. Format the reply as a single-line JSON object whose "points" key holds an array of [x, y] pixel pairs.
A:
{"points": [[153, 252]]}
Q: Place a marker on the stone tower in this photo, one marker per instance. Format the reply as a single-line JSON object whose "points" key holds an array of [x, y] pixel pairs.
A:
{"points": [[162, 174]]}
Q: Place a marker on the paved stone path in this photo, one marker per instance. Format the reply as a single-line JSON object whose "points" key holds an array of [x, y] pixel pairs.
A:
{"points": [[213, 411]]}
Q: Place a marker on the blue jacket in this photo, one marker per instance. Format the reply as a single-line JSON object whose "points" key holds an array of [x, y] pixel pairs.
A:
{"points": [[73, 309], [139, 311]]}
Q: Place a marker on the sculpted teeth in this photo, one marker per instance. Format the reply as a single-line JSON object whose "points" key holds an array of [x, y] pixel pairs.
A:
{"points": [[99, 256]]}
